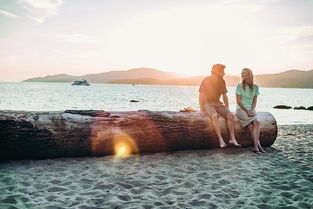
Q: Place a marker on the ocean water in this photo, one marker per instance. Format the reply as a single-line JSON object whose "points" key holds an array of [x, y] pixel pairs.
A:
{"points": [[114, 97]]}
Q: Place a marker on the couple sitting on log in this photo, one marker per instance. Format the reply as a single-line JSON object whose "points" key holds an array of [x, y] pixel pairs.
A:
{"points": [[210, 91]]}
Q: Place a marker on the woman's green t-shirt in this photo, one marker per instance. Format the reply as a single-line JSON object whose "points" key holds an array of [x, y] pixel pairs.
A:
{"points": [[246, 95]]}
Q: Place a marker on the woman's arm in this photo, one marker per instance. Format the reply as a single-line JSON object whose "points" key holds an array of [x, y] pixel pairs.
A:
{"points": [[238, 100], [255, 99]]}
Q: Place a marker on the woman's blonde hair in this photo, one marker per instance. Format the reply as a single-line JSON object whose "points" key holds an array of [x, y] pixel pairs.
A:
{"points": [[249, 80]]}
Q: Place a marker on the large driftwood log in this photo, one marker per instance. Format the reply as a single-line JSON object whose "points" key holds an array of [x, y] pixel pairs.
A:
{"points": [[40, 135]]}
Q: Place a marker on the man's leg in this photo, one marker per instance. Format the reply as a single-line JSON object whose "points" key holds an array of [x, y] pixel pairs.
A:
{"points": [[211, 111], [225, 113], [217, 130], [231, 128]]}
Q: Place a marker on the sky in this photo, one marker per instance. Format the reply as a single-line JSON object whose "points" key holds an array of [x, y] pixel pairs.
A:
{"points": [[77, 37]]}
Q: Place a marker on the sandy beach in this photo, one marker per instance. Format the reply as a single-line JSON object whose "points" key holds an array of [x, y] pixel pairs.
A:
{"points": [[216, 178]]}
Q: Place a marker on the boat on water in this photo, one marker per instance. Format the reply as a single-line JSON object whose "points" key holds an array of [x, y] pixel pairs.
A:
{"points": [[81, 83]]}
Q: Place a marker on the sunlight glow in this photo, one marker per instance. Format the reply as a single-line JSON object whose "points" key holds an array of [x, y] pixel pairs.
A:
{"points": [[124, 146], [187, 40], [122, 150], [184, 38]]}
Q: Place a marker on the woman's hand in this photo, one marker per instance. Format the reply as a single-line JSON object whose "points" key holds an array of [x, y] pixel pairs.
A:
{"points": [[250, 113]]}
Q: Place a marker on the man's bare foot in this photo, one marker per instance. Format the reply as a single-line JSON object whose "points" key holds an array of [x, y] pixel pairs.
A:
{"points": [[234, 142], [222, 143]]}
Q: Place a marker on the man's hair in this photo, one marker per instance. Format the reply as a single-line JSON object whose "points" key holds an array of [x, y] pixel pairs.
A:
{"points": [[217, 67]]}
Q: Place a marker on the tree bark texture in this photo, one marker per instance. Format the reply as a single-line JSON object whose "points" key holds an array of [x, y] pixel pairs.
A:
{"points": [[73, 133]]}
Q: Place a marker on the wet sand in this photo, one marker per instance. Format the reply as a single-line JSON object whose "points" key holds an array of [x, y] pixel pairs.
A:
{"points": [[217, 178]]}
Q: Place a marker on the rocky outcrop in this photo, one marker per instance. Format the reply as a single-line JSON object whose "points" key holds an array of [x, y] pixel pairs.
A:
{"points": [[299, 108], [295, 108], [310, 108], [282, 107]]}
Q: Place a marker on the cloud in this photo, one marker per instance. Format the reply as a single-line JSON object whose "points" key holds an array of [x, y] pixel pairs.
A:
{"points": [[72, 38], [43, 4], [40, 10], [304, 43], [294, 34], [8, 14]]}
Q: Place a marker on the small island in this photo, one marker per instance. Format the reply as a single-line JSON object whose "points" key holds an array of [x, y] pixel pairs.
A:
{"points": [[81, 83]]}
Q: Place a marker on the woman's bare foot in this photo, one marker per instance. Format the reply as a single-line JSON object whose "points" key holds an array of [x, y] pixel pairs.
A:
{"points": [[234, 142], [256, 151], [261, 149], [222, 143]]}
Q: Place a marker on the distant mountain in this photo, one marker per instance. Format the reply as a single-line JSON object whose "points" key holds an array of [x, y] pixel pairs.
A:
{"points": [[191, 81], [149, 76], [288, 79], [107, 76], [59, 78]]}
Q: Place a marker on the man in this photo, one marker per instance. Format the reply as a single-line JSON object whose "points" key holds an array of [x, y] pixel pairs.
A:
{"points": [[210, 91]]}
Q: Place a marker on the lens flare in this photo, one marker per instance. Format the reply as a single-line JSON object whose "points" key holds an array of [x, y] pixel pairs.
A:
{"points": [[124, 146], [122, 150]]}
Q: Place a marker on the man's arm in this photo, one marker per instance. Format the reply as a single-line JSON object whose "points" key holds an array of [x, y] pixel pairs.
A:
{"points": [[225, 99], [201, 101]]}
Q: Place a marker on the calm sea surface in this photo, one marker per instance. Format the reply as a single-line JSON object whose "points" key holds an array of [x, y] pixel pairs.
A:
{"points": [[113, 97]]}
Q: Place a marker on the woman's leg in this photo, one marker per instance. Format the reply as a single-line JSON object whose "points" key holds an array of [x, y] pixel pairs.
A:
{"points": [[254, 137], [256, 124]]}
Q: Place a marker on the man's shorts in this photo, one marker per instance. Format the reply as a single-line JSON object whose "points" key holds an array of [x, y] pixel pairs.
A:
{"points": [[220, 109]]}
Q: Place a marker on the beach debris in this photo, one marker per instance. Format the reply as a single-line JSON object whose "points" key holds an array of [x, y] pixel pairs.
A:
{"points": [[143, 110], [114, 116], [187, 109], [282, 107], [299, 108], [93, 113], [134, 100], [36, 117]]}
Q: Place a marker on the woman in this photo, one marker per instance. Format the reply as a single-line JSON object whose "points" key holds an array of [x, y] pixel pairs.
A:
{"points": [[246, 97]]}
